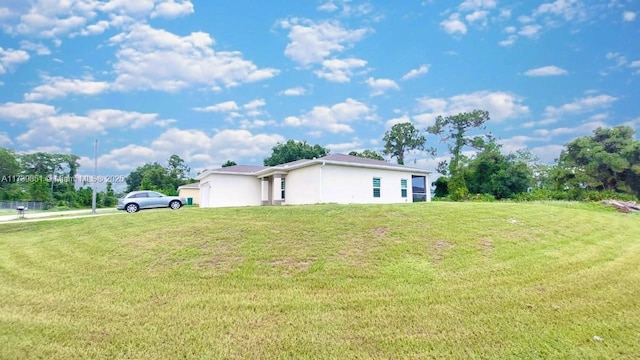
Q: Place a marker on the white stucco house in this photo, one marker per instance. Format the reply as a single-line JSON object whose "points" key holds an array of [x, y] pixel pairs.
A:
{"points": [[335, 178]]}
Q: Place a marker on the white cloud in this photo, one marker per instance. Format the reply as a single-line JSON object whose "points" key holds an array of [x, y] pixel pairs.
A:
{"points": [[22, 111], [620, 59], [339, 70], [508, 41], [500, 105], [333, 119], [5, 140], [399, 120], [55, 87], [567, 9], [582, 129], [628, 16], [64, 129], [312, 42], [226, 106], [453, 25], [517, 142], [548, 153], [156, 59], [477, 16], [345, 147], [414, 73], [9, 58], [254, 104], [172, 9], [329, 6], [635, 64], [380, 86], [471, 5], [546, 71], [295, 91], [586, 104], [38, 48], [530, 31]]}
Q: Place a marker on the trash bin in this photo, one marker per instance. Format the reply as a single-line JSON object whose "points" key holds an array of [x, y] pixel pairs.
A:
{"points": [[189, 201]]}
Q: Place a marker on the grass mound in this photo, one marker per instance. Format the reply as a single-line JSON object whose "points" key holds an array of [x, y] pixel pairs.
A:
{"points": [[437, 280]]}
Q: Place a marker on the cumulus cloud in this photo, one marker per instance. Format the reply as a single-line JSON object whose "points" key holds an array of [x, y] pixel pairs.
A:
{"points": [[22, 111], [414, 73], [157, 59], [226, 106], [198, 148], [295, 91], [453, 25], [586, 104], [334, 119], [48, 126], [546, 71], [9, 58], [172, 9], [501, 106], [339, 70], [55, 87], [312, 42], [380, 86], [628, 16], [530, 31]]}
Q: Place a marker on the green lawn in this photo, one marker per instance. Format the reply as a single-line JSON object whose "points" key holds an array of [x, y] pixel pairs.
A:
{"points": [[437, 280]]}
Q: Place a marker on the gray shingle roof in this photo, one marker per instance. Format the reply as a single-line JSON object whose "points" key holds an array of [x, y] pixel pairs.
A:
{"points": [[243, 169]]}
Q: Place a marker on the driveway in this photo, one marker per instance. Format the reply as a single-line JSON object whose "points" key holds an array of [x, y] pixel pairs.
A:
{"points": [[55, 215]]}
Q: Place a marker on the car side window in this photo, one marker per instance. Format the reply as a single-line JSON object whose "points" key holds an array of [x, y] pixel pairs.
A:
{"points": [[140, 195], [154, 194]]}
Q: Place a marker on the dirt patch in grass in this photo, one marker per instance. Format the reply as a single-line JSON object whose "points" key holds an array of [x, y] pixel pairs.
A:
{"points": [[222, 256], [486, 246], [380, 232], [439, 248], [292, 266]]}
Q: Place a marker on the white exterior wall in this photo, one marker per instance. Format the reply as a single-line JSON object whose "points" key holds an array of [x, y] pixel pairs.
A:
{"points": [[353, 185], [230, 190], [302, 186]]}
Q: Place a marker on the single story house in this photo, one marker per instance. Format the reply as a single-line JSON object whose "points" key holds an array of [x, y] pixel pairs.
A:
{"points": [[190, 191], [335, 178]]}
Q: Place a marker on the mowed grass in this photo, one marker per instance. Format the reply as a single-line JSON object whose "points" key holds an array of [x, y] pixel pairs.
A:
{"points": [[437, 280]]}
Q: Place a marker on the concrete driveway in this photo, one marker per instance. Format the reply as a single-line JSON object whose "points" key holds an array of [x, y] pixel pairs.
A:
{"points": [[56, 215]]}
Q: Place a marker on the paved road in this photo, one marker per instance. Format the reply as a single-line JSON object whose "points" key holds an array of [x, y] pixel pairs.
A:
{"points": [[55, 215]]}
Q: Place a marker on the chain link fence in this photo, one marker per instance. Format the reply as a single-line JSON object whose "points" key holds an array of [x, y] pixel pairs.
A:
{"points": [[30, 205]]}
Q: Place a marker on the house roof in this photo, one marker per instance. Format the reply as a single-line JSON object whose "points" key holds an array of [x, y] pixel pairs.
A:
{"points": [[335, 159], [234, 170], [189, 186], [342, 159]]}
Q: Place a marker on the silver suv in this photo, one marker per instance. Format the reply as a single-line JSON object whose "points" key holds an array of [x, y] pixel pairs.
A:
{"points": [[146, 199]]}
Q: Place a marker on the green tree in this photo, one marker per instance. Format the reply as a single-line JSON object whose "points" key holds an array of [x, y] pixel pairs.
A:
{"points": [[491, 172], [607, 160], [229, 163], [369, 154], [455, 130], [153, 176], [294, 150], [401, 138], [109, 199], [9, 169]]}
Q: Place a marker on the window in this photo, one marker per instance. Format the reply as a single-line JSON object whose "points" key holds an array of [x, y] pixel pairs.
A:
{"points": [[403, 188], [282, 189], [376, 187]]}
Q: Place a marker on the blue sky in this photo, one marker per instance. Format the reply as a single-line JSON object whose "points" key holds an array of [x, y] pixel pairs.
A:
{"points": [[227, 80]]}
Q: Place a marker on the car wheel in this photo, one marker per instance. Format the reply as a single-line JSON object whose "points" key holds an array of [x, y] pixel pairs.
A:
{"points": [[131, 208], [175, 205]]}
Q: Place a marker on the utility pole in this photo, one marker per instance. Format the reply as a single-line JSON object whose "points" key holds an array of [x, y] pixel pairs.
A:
{"points": [[95, 178]]}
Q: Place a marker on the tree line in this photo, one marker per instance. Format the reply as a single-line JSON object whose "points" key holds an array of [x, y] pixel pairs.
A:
{"points": [[53, 179], [603, 165]]}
